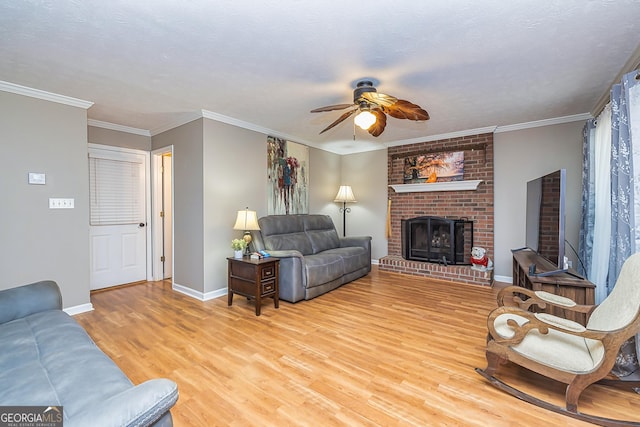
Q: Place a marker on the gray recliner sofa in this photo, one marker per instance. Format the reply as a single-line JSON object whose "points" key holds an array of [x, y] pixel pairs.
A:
{"points": [[47, 359], [313, 258]]}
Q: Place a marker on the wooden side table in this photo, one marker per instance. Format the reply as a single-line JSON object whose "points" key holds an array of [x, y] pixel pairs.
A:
{"points": [[254, 279]]}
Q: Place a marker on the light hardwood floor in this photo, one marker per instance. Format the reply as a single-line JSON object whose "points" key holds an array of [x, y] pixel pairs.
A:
{"points": [[385, 350]]}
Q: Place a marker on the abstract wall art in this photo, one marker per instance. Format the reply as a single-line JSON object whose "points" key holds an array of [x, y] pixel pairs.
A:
{"points": [[288, 177]]}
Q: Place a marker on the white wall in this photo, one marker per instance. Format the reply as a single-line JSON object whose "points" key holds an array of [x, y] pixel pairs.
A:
{"points": [[38, 243], [521, 156]]}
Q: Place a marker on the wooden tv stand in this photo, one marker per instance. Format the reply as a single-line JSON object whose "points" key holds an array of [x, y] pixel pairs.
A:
{"points": [[564, 284]]}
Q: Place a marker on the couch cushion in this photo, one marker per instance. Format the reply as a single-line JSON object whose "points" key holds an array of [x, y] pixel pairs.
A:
{"points": [[323, 268], [284, 232], [322, 233], [353, 257], [321, 240], [281, 224], [41, 368], [283, 242]]}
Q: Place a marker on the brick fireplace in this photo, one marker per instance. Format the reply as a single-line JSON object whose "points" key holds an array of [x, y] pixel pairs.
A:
{"points": [[447, 201]]}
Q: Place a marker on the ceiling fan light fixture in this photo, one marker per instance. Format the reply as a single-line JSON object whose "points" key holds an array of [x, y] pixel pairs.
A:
{"points": [[365, 119]]}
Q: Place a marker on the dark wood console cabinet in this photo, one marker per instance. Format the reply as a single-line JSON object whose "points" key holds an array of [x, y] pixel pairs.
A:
{"points": [[579, 290]]}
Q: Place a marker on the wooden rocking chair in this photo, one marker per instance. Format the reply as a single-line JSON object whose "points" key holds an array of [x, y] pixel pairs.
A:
{"points": [[561, 349]]}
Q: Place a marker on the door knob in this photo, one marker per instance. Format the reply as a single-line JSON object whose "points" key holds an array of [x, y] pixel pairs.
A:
{"points": [[142, 224]]}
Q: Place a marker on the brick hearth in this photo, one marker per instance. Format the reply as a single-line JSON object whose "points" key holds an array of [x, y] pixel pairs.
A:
{"points": [[475, 205]]}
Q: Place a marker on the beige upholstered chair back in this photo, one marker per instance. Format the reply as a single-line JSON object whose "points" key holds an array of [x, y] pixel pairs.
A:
{"points": [[623, 303]]}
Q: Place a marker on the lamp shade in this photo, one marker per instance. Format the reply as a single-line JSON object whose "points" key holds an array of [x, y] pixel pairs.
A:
{"points": [[365, 119], [345, 195], [246, 220]]}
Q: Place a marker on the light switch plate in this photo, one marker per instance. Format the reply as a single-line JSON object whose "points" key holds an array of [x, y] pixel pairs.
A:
{"points": [[61, 203], [37, 178]]}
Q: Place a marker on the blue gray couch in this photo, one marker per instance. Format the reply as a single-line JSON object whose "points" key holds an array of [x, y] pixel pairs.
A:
{"points": [[47, 359], [313, 258]]}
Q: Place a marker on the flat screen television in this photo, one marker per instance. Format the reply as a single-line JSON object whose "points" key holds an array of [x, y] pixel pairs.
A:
{"points": [[545, 220]]}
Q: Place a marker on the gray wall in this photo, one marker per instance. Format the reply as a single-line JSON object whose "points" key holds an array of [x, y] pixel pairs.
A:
{"points": [[188, 202], [38, 243], [219, 169], [235, 177], [115, 138], [324, 181], [367, 174], [521, 156]]}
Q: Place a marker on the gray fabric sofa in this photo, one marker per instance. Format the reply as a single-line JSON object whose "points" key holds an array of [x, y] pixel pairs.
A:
{"points": [[313, 258], [47, 359]]}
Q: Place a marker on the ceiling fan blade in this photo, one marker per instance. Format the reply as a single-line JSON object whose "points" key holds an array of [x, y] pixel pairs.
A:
{"points": [[379, 98], [340, 120], [381, 121], [405, 110], [332, 108]]}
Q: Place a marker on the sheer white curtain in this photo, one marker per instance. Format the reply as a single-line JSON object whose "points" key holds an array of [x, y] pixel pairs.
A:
{"points": [[599, 268]]}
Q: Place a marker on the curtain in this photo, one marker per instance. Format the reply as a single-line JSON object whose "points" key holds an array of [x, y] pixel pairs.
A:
{"points": [[625, 195], [585, 244], [599, 267], [610, 227], [622, 192]]}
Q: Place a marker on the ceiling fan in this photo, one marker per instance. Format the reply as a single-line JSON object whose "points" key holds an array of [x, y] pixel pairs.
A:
{"points": [[372, 108]]}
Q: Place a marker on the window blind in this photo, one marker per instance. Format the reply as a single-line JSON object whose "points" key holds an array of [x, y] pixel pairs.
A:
{"points": [[116, 191]]}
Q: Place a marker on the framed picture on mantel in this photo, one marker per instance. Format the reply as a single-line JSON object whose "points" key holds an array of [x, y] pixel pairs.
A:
{"points": [[434, 167]]}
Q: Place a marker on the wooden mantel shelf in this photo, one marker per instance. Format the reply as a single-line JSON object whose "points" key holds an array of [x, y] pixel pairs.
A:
{"points": [[437, 186]]}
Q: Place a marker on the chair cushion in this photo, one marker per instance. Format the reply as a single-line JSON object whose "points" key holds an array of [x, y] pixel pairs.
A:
{"points": [[556, 349]]}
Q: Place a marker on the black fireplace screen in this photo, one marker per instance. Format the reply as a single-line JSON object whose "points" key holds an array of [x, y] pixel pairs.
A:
{"points": [[435, 239]]}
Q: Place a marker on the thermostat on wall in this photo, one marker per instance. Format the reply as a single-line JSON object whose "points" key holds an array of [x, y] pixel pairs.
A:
{"points": [[37, 178]]}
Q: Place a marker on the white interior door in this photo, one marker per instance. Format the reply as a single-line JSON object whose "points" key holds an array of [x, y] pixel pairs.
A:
{"points": [[118, 235]]}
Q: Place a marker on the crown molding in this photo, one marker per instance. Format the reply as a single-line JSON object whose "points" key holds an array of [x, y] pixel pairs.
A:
{"points": [[545, 122], [633, 63], [250, 126], [179, 120], [41, 94], [116, 127], [457, 134]]}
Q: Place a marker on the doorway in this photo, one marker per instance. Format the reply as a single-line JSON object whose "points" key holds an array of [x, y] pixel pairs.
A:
{"points": [[162, 213]]}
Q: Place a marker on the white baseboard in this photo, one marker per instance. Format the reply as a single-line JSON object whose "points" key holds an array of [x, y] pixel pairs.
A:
{"points": [[375, 261], [77, 309], [503, 279], [199, 295]]}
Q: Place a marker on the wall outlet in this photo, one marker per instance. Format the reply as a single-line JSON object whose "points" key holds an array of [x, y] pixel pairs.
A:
{"points": [[61, 203]]}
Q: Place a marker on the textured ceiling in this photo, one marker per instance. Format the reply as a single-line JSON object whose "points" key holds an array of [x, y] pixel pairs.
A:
{"points": [[265, 64]]}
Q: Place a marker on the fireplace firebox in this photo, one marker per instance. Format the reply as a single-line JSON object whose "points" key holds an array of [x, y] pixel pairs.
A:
{"points": [[435, 239]]}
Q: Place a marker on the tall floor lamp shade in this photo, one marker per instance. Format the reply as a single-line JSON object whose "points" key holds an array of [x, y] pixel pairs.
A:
{"points": [[246, 220], [344, 196]]}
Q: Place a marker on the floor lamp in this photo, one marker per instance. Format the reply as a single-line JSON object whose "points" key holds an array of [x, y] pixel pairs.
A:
{"points": [[345, 195]]}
